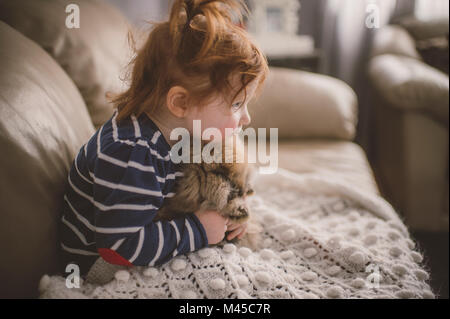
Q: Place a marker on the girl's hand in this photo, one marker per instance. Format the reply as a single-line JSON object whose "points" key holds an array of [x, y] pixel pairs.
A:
{"points": [[215, 225], [236, 230]]}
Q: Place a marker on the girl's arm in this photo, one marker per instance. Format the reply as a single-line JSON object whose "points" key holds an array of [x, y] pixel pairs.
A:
{"points": [[128, 183]]}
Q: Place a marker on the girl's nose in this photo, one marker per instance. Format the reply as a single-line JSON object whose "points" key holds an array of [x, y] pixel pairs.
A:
{"points": [[245, 119]]}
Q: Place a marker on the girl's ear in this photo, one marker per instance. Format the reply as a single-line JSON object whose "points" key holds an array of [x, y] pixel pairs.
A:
{"points": [[177, 101]]}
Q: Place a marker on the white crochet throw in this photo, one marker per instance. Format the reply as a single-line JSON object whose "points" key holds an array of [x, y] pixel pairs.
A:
{"points": [[322, 238]]}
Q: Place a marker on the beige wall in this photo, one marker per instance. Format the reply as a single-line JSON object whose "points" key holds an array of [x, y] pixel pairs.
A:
{"points": [[138, 11]]}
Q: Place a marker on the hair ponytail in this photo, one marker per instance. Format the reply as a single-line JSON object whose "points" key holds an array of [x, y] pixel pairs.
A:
{"points": [[213, 19], [199, 48]]}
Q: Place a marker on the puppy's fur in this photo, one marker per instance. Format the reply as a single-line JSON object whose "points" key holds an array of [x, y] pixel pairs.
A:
{"points": [[222, 187]]}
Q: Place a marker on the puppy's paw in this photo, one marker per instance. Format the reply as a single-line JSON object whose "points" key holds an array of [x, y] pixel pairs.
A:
{"points": [[253, 238], [240, 214], [252, 241], [237, 211]]}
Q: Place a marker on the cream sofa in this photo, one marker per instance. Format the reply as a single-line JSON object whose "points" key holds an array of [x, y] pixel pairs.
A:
{"points": [[411, 105], [52, 89]]}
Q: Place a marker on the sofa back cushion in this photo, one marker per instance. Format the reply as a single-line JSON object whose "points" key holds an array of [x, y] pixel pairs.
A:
{"points": [[305, 105], [95, 55], [43, 123]]}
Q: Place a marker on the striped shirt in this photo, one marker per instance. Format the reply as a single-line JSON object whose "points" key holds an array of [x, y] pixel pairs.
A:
{"points": [[116, 184]]}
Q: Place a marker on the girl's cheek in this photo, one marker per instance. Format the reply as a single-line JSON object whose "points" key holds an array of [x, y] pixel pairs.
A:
{"points": [[234, 121], [226, 131], [232, 126]]}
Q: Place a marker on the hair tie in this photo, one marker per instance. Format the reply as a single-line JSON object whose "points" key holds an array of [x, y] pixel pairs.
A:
{"points": [[187, 25], [189, 14]]}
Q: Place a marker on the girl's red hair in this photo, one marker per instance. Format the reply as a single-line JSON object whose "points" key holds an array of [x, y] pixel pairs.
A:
{"points": [[200, 48]]}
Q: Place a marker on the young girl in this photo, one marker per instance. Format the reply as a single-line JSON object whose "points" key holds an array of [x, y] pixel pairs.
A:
{"points": [[199, 65]]}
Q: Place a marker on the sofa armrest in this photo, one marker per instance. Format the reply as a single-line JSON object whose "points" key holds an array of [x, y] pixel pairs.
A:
{"points": [[305, 105], [410, 84]]}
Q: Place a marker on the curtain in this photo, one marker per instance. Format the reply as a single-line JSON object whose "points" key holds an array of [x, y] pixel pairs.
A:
{"points": [[345, 37], [140, 11]]}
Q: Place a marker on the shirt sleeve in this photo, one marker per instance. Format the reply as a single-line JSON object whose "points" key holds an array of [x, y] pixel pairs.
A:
{"points": [[128, 191]]}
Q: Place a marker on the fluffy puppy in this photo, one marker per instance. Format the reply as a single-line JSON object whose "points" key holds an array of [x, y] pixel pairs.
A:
{"points": [[221, 185]]}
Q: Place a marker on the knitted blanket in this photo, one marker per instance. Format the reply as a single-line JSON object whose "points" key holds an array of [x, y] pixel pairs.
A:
{"points": [[321, 238]]}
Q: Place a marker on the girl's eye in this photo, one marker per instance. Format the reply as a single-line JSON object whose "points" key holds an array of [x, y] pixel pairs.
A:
{"points": [[236, 106]]}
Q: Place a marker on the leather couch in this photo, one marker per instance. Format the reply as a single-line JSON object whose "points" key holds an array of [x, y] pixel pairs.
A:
{"points": [[411, 108], [52, 88]]}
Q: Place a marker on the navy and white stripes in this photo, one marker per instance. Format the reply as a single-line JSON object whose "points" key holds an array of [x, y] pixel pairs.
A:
{"points": [[117, 182]]}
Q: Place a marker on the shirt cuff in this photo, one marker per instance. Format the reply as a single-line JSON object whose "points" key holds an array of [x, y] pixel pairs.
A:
{"points": [[201, 233]]}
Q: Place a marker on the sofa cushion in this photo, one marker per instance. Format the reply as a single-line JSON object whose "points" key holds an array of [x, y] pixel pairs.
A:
{"points": [[43, 123], [341, 159], [94, 56], [303, 104], [410, 84]]}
